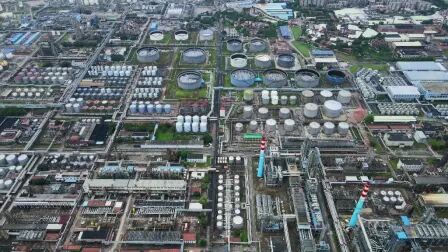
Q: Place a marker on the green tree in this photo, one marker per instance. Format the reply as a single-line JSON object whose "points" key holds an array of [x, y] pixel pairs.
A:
{"points": [[244, 236], [207, 138], [203, 200], [202, 243], [369, 119]]}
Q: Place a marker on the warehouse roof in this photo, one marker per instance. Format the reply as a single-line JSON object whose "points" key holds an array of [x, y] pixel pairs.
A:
{"points": [[436, 199], [426, 75], [420, 66], [403, 90], [407, 44], [431, 180], [135, 185], [394, 119]]}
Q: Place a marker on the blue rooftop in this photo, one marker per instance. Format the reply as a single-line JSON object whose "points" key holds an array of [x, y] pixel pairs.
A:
{"points": [[405, 220], [322, 53], [284, 31], [401, 235]]}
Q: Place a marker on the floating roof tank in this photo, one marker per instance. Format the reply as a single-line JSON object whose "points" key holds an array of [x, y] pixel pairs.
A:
{"points": [[326, 94], [194, 56], [148, 54], [190, 80], [205, 35], [263, 61], [181, 35], [307, 78], [336, 77], [242, 78], [234, 45], [257, 45], [156, 36], [275, 78], [286, 60], [238, 60]]}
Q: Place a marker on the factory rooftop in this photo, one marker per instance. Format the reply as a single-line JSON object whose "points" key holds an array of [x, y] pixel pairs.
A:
{"points": [[419, 66], [134, 185], [426, 76], [435, 199]]}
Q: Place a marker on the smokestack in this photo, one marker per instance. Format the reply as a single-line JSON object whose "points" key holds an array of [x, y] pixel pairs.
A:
{"points": [[354, 219], [260, 169]]}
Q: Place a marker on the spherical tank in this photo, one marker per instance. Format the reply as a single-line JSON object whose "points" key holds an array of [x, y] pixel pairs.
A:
{"points": [[181, 35], [253, 125], [263, 61], [275, 78], [286, 60], [343, 128], [284, 113], [314, 128], [238, 60], [234, 45], [310, 110], [307, 96], [271, 125], [263, 113], [194, 56], [289, 125], [307, 78], [332, 108], [336, 77], [148, 54], [257, 45], [328, 128], [242, 78], [190, 80], [344, 96], [156, 36]]}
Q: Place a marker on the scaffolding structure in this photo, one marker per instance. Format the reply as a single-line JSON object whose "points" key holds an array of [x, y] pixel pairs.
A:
{"points": [[268, 213]]}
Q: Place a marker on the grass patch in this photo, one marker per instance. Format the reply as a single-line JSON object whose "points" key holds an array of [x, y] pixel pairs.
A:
{"points": [[174, 92], [167, 133], [303, 48], [296, 32], [393, 163], [380, 67]]}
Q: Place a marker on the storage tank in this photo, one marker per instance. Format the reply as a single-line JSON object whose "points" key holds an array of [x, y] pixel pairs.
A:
{"points": [[179, 127], [248, 111], [237, 222], [248, 95], [332, 108], [284, 113], [2, 159], [307, 96], [239, 127], [283, 100], [314, 128], [2, 184], [190, 80], [203, 127], [271, 125], [263, 61], [159, 108], [156, 36], [336, 77], [219, 225], [11, 159], [242, 78], [344, 96], [204, 118], [289, 125], [69, 108], [205, 35], [253, 125], [234, 45], [329, 128], [293, 100], [343, 128], [307, 78], [194, 56], [263, 112], [286, 60], [141, 108], [238, 60], [167, 108], [187, 127], [310, 110], [257, 45], [195, 127], [148, 54], [133, 108], [76, 108], [326, 95], [181, 35], [22, 159], [275, 78]]}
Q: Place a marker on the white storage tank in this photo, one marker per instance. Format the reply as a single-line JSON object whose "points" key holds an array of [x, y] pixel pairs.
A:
{"points": [[283, 100], [310, 110], [8, 183], [141, 108], [195, 118], [188, 118], [314, 128], [11, 159], [187, 127], [179, 127], [332, 108], [219, 224], [326, 94], [69, 108], [133, 108], [248, 111], [253, 125], [263, 113], [19, 168], [239, 127], [343, 128], [307, 96], [180, 118], [23, 159], [204, 118], [293, 100], [329, 128], [237, 222], [284, 113], [271, 125], [203, 127], [289, 125], [344, 96], [195, 127]]}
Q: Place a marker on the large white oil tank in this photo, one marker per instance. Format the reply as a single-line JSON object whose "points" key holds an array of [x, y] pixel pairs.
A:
{"points": [[188, 118], [343, 128], [332, 108], [344, 96], [187, 127], [219, 224], [11, 159], [326, 94], [314, 128], [23, 159], [284, 113], [195, 127], [253, 125], [239, 127], [329, 128], [179, 127], [310, 110], [289, 125], [8, 183], [237, 222], [248, 111], [263, 113], [203, 127], [271, 125], [180, 118], [195, 118], [204, 118]]}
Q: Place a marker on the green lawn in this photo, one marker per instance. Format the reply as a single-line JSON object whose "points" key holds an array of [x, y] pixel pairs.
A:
{"points": [[380, 67], [304, 48], [296, 32], [174, 92]]}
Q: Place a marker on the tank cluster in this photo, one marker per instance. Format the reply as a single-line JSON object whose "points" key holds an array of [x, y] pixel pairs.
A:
{"points": [[229, 202], [149, 85], [193, 124], [33, 74], [328, 128], [392, 199], [146, 107], [442, 109], [332, 108], [67, 162], [110, 71], [398, 109], [10, 166], [31, 93]]}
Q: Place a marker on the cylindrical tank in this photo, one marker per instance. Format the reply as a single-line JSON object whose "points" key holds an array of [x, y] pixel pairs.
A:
{"points": [[253, 125], [204, 118], [242, 78], [194, 56], [386, 200], [8, 183], [220, 224], [263, 61], [148, 54], [326, 95], [156, 36], [344, 96], [205, 35], [76, 108], [257, 45], [2, 159], [133, 108], [263, 112], [181, 35], [314, 128], [248, 95], [275, 78], [238, 60], [310, 110], [271, 125], [336, 77], [248, 111], [283, 100], [239, 127], [237, 222], [11, 159], [69, 108], [23, 159], [307, 96], [329, 128], [190, 80], [195, 118], [343, 128], [234, 45], [284, 113], [195, 127], [307, 78], [203, 127], [187, 127], [332, 108], [188, 118], [293, 100], [167, 108], [179, 127], [141, 108], [289, 125], [2, 184], [286, 60], [159, 108]]}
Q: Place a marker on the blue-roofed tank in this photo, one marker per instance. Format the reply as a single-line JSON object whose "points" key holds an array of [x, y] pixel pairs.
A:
{"points": [[336, 77], [242, 78]]}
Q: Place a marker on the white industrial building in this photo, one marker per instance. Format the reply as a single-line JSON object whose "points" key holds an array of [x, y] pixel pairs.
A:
{"points": [[398, 140], [410, 165], [404, 93]]}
